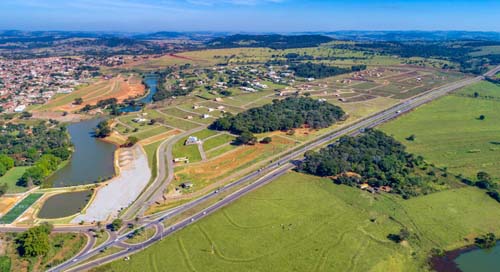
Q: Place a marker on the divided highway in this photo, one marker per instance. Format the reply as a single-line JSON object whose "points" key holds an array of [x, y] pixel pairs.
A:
{"points": [[265, 175]]}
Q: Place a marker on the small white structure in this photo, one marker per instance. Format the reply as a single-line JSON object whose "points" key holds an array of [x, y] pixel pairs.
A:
{"points": [[191, 140], [205, 116], [20, 108], [139, 120]]}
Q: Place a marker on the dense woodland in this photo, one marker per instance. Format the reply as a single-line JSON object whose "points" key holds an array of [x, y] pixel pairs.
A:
{"points": [[457, 52], [373, 158], [42, 146], [292, 112], [314, 70]]}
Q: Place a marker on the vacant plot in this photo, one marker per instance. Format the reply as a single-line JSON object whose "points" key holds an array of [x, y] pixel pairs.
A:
{"points": [[151, 132], [120, 87], [190, 151], [304, 223], [206, 173], [19, 209], [449, 133], [217, 141], [11, 177]]}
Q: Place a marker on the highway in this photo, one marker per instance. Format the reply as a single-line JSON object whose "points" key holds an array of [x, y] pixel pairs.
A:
{"points": [[265, 175]]}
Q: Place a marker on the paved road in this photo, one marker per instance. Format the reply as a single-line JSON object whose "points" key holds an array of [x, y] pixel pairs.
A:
{"points": [[273, 170], [163, 178]]}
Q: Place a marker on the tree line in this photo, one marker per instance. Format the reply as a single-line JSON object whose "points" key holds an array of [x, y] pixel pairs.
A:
{"points": [[314, 70]]}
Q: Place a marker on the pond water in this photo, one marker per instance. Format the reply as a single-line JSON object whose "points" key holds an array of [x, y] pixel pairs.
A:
{"points": [[483, 260], [93, 159], [470, 259], [151, 82], [65, 204]]}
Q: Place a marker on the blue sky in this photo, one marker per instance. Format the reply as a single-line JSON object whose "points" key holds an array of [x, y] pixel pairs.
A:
{"points": [[249, 15]]}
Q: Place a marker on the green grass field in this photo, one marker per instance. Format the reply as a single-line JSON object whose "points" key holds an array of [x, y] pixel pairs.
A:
{"points": [[17, 210], [11, 177], [150, 132], [150, 150], [217, 141], [449, 133], [305, 223]]}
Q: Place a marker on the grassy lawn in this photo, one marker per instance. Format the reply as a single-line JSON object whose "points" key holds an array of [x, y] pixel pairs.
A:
{"points": [[449, 134], [203, 134], [305, 223], [217, 141], [17, 210], [101, 238], [151, 152], [142, 236], [150, 132], [191, 151], [11, 177]]}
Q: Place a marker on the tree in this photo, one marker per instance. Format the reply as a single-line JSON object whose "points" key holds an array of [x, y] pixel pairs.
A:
{"points": [[103, 129], [483, 176], [35, 241], [246, 138], [403, 235], [7, 161], [267, 140], [476, 94], [116, 224], [486, 241], [411, 138], [78, 101], [131, 141], [26, 115], [482, 117], [3, 189]]}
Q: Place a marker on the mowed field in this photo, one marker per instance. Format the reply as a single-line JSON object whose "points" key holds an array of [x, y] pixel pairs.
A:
{"points": [[306, 223], [120, 87], [449, 133]]}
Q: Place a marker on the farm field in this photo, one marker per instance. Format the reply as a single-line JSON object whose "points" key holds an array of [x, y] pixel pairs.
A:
{"points": [[11, 177], [17, 210], [203, 58], [120, 87], [305, 223], [448, 131]]}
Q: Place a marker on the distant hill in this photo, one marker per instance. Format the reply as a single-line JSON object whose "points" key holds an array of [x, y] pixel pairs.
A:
{"points": [[274, 41], [413, 35]]}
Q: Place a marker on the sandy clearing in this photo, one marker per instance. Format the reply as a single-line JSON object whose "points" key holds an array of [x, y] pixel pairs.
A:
{"points": [[7, 202], [120, 192]]}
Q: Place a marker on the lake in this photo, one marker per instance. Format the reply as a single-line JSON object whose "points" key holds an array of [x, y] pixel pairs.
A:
{"points": [[151, 82], [93, 159]]}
